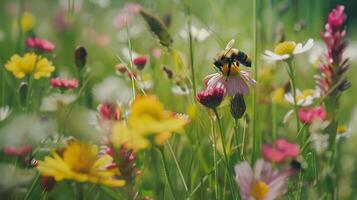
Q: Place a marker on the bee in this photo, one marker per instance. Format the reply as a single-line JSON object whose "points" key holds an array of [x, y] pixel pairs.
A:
{"points": [[231, 56]]}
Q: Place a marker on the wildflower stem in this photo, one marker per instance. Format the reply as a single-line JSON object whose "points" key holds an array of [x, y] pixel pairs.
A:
{"points": [[178, 167], [131, 61], [166, 171], [291, 73], [34, 183], [214, 160], [256, 143], [226, 159], [190, 42]]}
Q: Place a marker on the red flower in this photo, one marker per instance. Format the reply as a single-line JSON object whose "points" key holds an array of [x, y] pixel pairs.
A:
{"points": [[308, 115], [140, 62], [40, 44], [62, 83], [211, 97], [280, 150], [17, 151]]}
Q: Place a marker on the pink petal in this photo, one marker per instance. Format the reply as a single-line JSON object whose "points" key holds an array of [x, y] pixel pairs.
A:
{"points": [[289, 149], [272, 154], [244, 178]]}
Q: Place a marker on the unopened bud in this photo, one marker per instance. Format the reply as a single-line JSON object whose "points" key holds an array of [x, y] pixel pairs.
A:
{"points": [[120, 68], [80, 57], [237, 106]]}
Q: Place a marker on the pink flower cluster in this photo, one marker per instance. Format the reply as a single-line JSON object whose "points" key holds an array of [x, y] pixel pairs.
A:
{"points": [[308, 115], [108, 111], [280, 150], [17, 151], [333, 65], [64, 84], [40, 44]]}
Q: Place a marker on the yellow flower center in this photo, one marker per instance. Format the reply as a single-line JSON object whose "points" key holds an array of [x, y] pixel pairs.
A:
{"points": [[234, 70], [80, 157], [341, 129], [285, 48], [147, 106], [259, 190], [305, 94]]}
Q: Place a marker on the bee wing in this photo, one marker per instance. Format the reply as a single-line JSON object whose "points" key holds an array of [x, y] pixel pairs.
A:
{"points": [[229, 46]]}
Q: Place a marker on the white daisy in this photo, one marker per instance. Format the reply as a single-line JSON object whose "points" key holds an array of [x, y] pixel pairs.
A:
{"points": [[112, 89], [180, 91], [4, 112], [287, 49], [304, 98], [55, 101]]}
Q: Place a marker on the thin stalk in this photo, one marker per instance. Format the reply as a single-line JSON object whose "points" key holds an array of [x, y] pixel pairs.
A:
{"points": [[214, 160], [131, 61], [291, 73], [236, 133], [79, 191], [178, 167], [3, 86], [190, 43], [273, 116], [166, 170], [243, 143], [256, 144], [231, 184], [34, 183]]}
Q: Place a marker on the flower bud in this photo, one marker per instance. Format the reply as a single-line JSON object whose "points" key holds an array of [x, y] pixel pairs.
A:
{"points": [[80, 57], [237, 106], [120, 68], [140, 62]]}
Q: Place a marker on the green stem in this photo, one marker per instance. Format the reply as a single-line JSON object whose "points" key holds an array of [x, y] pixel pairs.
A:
{"points": [[34, 182], [214, 160], [166, 170], [291, 73], [237, 135], [273, 113], [256, 143], [131, 62], [190, 42], [79, 190], [178, 168], [226, 159]]}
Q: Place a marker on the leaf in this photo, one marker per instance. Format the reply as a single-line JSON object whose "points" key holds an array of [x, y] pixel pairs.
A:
{"points": [[157, 27]]}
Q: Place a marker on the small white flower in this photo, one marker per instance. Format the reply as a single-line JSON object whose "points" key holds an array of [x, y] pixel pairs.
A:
{"points": [[343, 132], [304, 98], [112, 89], [54, 101], [287, 49], [197, 34], [180, 91], [4, 112], [317, 137]]}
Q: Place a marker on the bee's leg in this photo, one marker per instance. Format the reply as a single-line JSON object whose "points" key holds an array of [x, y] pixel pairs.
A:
{"points": [[229, 69]]}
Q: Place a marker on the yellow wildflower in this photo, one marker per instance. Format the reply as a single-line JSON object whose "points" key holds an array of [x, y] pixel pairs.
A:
{"points": [[27, 21], [80, 162], [29, 63], [148, 122], [278, 96]]}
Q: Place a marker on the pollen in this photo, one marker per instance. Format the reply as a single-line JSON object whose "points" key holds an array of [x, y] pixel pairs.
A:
{"points": [[285, 48], [259, 190], [234, 70], [341, 129]]}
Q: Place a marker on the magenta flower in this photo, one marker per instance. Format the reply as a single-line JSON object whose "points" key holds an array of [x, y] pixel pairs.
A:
{"points": [[40, 44], [336, 19], [308, 115], [211, 97], [263, 183], [140, 62], [64, 84], [109, 111], [17, 151], [235, 83], [280, 150]]}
